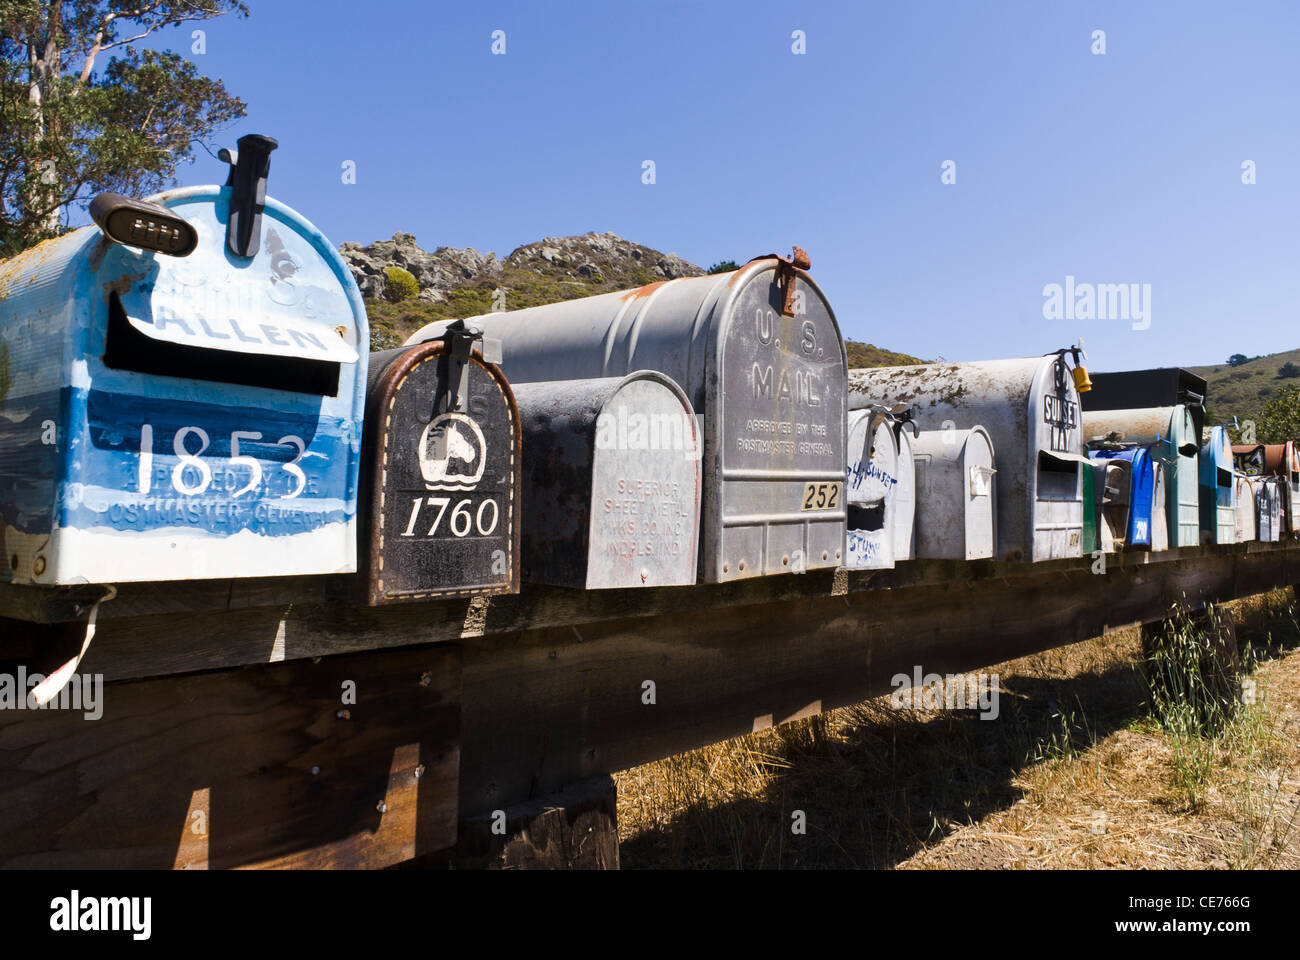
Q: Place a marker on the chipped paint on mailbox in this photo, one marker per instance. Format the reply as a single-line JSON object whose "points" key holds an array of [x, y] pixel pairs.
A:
{"points": [[174, 418]]}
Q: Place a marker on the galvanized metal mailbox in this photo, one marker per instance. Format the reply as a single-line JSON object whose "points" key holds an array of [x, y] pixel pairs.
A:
{"points": [[172, 407], [442, 479], [1030, 410], [1247, 514], [905, 491], [611, 482], [1112, 491], [1218, 507], [872, 487], [759, 355], [956, 513], [1169, 433]]}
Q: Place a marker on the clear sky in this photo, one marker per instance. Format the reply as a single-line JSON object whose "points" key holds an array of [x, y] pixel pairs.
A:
{"points": [[1122, 167]]}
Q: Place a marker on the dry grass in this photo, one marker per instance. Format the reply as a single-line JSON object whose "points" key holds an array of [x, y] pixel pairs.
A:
{"points": [[1078, 771]]}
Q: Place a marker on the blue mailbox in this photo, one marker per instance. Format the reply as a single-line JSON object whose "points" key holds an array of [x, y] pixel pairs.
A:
{"points": [[181, 392], [1218, 490]]}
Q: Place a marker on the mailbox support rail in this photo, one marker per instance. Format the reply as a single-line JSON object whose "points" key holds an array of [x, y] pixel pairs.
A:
{"points": [[275, 723]]}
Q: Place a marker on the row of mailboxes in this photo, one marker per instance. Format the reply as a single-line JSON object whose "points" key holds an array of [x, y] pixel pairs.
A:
{"points": [[1169, 435], [188, 395], [759, 357], [1279, 462], [1028, 410]]}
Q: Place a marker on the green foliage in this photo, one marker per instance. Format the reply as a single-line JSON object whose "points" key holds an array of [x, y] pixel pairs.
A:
{"points": [[869, 355], [1280, 420], [1237, 359], [1288, 370], [400, 285], [1242, 390], [68, 133], [724, 266]]}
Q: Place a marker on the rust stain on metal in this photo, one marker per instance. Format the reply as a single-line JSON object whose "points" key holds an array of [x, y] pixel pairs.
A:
{"points": [[642, 292], [122, 285]]}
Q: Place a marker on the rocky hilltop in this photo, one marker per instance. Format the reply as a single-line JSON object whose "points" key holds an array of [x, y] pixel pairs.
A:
{"points": [[463, 282]]}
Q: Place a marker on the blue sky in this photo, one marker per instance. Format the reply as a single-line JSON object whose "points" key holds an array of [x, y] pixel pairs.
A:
{"points": [[1117, 168]]}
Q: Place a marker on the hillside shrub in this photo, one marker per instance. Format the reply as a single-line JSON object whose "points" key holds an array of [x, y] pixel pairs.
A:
{"points": [[400, 285]]}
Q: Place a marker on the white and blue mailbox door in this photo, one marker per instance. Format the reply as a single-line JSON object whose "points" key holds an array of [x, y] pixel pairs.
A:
{"points": [[1142, 492], [176, 417]]}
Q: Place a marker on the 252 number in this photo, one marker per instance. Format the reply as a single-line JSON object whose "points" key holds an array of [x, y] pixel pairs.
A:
{"points": [[821, 496]]}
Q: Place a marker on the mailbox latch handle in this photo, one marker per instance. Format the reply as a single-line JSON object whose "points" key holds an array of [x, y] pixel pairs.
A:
{"points": [[460, 339], [249, 166], [786, 273]]}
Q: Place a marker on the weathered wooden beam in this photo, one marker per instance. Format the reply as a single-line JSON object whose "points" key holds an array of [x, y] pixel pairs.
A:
{"points": [[544, 708], [264, 766], [160, 638]]}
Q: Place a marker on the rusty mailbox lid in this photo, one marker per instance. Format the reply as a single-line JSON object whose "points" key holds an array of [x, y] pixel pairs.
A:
{"points": [[611, 482], [759, 355], [442, 476]]}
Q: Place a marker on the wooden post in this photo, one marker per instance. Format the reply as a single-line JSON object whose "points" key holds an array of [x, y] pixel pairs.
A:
{"points": [[573, 829]]}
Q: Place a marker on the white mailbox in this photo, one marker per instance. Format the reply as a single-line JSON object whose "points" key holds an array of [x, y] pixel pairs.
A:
{"points": [[956, 509], [872, 492]]}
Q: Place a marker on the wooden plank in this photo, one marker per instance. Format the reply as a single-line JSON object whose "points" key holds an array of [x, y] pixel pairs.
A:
{"points": [[548, 707], [163, 643], [260, 766]]}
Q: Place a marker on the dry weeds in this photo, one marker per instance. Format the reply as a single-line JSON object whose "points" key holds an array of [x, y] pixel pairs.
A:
{"points": [[1077, 772]]}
